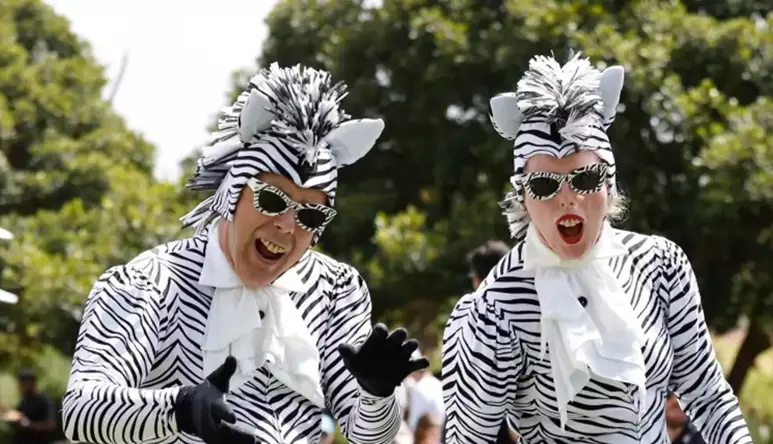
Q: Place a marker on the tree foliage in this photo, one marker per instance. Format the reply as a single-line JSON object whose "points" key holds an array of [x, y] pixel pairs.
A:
{"points": [[692, 140], [76, 185]]}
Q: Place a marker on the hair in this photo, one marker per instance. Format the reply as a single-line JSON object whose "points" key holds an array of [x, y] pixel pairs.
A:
{"points": [[485, 257], [26, 375], [424, 426]]}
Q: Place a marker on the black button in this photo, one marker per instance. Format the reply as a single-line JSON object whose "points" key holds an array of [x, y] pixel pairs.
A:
{"points": [[262, 314], [583, 301]]}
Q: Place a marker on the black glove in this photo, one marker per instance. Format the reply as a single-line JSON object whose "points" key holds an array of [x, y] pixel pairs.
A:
{"points": [[201, 410], [383, 361]]}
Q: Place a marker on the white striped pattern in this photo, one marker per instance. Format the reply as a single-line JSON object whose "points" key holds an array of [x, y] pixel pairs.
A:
{"points": [[492, 370], [141, 337]]}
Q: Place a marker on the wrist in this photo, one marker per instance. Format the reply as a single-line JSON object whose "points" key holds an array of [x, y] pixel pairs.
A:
{"points": [[375, 395], [183, 409], [24, 421]]}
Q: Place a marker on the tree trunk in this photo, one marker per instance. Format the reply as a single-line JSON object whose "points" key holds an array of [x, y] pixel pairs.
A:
{"points": [[755, 342]]}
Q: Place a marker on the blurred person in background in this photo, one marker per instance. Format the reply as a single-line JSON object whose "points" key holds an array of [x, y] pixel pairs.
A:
{"points": [[242, 333], [425, 396], [680, 428], [427, 430], [581, 329], [483, 258], [34, 418], [328, 428], [404, 435]]}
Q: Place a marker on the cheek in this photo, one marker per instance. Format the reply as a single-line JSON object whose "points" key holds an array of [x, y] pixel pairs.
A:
{"points": [[247, 219], [540, 209], [596, 203], [303, 240]]}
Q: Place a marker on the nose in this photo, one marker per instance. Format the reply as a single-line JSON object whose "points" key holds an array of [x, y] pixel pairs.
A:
{"points": [[285, 222], [567, 198]]}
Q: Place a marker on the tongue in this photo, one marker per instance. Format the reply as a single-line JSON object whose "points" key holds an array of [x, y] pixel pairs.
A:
{"points": [[570, 231], [261, 247]]}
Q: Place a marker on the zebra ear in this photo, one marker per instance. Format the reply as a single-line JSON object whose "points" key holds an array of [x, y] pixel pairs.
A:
{"points": [[353, 139], [255, 116], [505, 115], [610, 87]]}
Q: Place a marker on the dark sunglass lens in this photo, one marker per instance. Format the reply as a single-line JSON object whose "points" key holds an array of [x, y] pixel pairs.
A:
{"points": [[271, 202], [543, 186], [311, 218], [587, 180]]}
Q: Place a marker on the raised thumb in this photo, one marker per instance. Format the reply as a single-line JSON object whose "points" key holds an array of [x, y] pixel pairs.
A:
{"points": [[222, 375]]}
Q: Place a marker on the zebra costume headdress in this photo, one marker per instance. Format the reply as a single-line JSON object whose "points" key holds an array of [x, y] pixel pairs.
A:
{"points": [[289, 122], [556, 110]]}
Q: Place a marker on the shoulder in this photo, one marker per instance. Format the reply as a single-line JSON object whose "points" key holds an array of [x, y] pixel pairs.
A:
{"points": [[508, 281], [652, 247], [330, 268], [335, 278], [148, 271], [662, 249]]}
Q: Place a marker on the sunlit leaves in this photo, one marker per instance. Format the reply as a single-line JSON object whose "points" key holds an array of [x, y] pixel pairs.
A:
{"points": [[76, 185], [692, 138]]}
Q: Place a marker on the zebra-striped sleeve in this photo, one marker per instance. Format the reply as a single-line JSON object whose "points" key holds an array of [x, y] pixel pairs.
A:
{"points": [[116, 346], [481, 363], [364, 419], [697, 377]]}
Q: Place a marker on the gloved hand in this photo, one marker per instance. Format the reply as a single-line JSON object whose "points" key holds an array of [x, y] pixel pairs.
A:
{"points": [[383, 361], [201, 410]]}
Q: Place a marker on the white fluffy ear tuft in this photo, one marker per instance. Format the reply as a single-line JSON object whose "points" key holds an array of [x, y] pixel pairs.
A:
{"points": [[255, 116], [505, 115], [353, 139], [610, 87]]}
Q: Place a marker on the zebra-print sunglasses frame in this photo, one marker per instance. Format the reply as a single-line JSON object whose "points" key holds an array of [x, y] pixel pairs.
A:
{"points": [[543, 185], [272, 201]]}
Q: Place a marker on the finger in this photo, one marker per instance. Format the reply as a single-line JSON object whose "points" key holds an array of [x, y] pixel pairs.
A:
{"points": [[417, 364], [347, 353], [396, 338], [236, 434], [221, 412], [378, 334], [220, 377], [408, 348]]}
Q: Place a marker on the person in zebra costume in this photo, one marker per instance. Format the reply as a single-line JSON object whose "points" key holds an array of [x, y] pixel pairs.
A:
{"points": [[241, 333], [581, 331]]}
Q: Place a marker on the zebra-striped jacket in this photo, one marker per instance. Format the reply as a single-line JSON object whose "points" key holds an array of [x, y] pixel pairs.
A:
{"points": [[492, 367], [141, 338]]}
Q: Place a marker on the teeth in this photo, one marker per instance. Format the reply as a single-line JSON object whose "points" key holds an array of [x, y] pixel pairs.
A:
{"points": [[272, 247], [569, 222]]}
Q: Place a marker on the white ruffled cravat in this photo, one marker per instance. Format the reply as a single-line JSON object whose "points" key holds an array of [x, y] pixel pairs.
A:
{"points": [[605, 337], [280, 341]]}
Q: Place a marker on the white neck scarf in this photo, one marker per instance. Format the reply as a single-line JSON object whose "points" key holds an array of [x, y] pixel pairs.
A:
{"points": [[604, 337], [280, 341]]}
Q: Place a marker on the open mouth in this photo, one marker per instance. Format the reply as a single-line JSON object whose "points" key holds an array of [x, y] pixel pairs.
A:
{"points": [[269, 250], [570, 228]]}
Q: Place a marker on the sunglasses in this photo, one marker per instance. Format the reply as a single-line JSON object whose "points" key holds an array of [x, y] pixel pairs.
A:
{"points": [[542, 185], [272, 201]]}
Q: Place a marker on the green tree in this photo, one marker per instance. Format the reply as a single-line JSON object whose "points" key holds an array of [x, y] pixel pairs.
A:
{"points": [[692, 140], [76, 185]]}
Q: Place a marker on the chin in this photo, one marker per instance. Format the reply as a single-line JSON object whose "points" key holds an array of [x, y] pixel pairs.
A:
{"points": [[256, 275], [255, 282], [571, 252]]}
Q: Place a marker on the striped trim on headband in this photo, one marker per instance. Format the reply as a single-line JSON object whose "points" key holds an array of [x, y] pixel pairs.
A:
{"points": [[556, 110], [287, 122]]}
